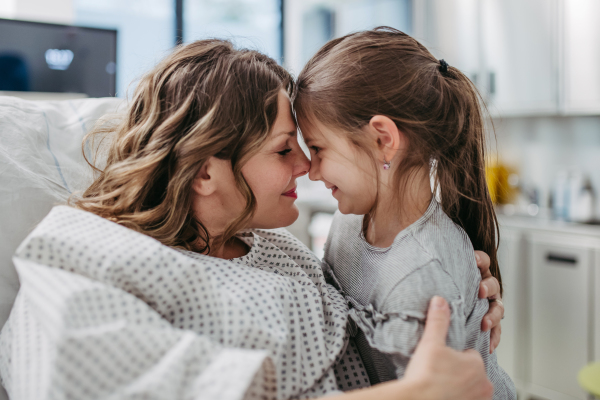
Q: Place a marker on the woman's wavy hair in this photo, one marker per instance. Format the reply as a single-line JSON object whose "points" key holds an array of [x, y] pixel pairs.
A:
{"points": [[206, 99], [387, 72]]}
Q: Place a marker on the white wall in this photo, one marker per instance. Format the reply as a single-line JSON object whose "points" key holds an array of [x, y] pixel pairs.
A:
{"points": [[58, 11]]}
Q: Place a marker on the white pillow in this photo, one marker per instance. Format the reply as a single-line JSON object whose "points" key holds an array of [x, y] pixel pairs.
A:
{"points": [[41, 163]]}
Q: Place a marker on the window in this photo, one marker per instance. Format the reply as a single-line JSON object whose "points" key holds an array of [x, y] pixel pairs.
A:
{"points": [[146, 32], [253, 24]]}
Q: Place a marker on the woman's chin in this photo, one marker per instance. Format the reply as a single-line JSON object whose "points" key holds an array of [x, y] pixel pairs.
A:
{"points": [[273, 220], [291, 216]]}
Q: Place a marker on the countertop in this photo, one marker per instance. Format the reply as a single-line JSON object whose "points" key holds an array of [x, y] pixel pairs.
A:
{"points": [[548, 225]]}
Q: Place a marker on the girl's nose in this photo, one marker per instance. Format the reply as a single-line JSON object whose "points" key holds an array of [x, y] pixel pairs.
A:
{"points": [[302, 165], [314, 174]]}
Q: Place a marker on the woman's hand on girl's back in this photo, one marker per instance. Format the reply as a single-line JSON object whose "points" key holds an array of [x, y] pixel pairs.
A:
{"points": [[441, 371], [435, 371], [490, 288]]}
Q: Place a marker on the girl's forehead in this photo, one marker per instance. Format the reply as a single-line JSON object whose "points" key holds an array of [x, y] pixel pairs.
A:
{"points": [[310, 128]]}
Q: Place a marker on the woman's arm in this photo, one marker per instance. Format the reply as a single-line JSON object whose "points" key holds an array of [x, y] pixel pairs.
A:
{"points": [[435, 370], [490, 288]]}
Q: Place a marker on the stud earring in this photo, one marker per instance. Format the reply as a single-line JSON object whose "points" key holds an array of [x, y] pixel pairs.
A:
{"points": [[386, 164]]}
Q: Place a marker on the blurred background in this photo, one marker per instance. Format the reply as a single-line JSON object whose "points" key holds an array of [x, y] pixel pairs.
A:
{"points": [[535, 62]]}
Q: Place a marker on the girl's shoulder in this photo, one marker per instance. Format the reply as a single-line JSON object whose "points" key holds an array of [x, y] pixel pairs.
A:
{"points": [[447, 242], [438, 231]]}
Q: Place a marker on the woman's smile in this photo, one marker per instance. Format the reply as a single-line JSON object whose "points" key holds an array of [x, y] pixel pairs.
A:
{"points": [[291, 193]]}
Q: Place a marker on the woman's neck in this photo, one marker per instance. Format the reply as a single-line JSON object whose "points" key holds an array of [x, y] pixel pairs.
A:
{"points": [[396, 210], [233, 248], [214, 223]]}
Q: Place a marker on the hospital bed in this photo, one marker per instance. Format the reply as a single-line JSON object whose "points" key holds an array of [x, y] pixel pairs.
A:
{"points": [[41, 165]]}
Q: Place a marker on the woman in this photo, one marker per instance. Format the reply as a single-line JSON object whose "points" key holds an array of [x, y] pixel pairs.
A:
{"points": [[207, 151]]}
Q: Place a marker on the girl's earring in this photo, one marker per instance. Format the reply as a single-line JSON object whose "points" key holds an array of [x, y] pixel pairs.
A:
{"points": [[386, 164]]}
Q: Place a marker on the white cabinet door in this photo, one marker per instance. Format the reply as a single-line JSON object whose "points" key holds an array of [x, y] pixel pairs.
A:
{"points": [[596, 308], [581, 57], [559, 309], [510, 258], [520, 59], [450, 29]]}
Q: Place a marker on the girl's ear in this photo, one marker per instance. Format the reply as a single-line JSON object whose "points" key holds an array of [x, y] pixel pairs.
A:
{"points": [[205, 181], [389, 139]]}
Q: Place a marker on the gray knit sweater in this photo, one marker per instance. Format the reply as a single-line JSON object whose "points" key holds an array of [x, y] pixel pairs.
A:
{"points": [[389, 290]]}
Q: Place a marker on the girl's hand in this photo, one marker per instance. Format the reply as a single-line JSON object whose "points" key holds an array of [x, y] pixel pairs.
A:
{"points": [[490, 288]]}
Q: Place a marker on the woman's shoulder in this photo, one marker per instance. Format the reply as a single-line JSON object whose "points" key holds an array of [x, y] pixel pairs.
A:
{"points": [[285, 241], [280, 237]]}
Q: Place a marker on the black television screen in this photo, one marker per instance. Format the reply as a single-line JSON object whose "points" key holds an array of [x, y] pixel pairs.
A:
{"points": [[40, 57]]}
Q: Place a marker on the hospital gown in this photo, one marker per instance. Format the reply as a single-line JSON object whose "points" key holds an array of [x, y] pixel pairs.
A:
{"points": [[106, 312]]}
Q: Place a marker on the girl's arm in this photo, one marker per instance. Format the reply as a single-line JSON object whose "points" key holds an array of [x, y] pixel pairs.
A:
{"points": [[490, 288], [435, 371]]}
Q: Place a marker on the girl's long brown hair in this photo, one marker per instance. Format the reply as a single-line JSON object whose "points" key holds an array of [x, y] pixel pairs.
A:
{"points": [[386, 72], [205, 99]]}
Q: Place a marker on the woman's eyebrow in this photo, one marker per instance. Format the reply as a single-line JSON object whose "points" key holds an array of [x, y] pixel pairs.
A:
{"points": [[290, 133]]}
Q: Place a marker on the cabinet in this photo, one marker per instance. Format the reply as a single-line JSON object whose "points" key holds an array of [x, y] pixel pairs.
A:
{"points": [[581, 56], [514, 281], [450, 30], [534, 57], [596, 307], [560, 314], [551, 329], [520, 56]]}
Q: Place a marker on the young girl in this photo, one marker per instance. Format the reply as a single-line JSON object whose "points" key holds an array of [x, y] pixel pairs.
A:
{"points": [[388, 125]]}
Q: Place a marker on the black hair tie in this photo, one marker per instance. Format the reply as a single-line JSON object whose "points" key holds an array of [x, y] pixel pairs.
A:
{"points": [[443, 66]]}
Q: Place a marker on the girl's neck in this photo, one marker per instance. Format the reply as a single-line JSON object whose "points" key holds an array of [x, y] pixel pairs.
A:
{"points": [[396, 211]]}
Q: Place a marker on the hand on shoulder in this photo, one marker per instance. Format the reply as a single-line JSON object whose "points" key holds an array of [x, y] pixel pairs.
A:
{"points": [[489, 288]]}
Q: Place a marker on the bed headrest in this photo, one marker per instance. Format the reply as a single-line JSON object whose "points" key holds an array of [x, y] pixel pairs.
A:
{"points": [[41, 164]]}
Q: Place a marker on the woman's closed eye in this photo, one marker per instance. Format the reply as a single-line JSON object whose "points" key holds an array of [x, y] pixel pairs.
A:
{"points": [[284, 152]]}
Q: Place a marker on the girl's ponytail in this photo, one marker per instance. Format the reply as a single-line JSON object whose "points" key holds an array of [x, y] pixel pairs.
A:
{"points": [[460, 166]]}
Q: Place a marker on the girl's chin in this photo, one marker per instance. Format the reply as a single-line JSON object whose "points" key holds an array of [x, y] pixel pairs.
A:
{"points": [[344, 210], [347, 207]]}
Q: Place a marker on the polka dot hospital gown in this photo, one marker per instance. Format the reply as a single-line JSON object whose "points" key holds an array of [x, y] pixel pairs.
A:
{"points": [[106, 312]]}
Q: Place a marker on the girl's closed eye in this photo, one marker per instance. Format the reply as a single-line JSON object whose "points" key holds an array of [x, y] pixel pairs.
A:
{"points": [[315, 149]]}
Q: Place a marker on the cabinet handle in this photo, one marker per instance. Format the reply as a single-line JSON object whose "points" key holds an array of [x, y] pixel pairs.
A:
{"points": [[559, 258], [492, 83]]}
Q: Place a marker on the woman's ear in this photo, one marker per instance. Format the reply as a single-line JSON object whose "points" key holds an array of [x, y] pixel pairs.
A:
{"points": [[205, 181], [389, 139]]}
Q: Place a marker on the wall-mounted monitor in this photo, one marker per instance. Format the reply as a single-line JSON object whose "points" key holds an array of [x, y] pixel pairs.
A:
{"points": [[41, 57]]}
